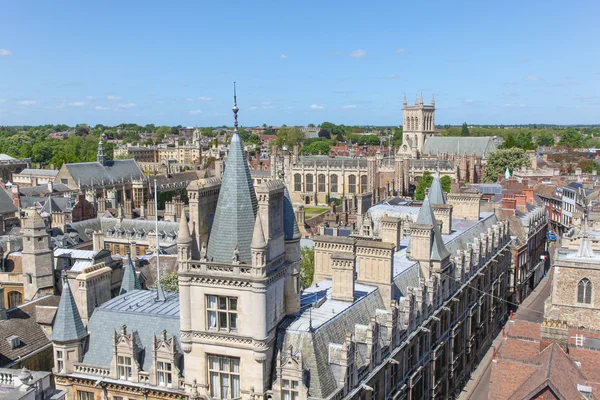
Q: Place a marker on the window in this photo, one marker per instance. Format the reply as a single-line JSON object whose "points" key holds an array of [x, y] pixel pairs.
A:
{"points": [[224, 375], [14, 299], [289, 390], [297, 182], [334, 183], [81, 395], [352, 184], [164, 371], [363, 184], [584, 291], [124, 367], [118, 398], [222, 313], [309, 183], [321, 183], [60, 362]]}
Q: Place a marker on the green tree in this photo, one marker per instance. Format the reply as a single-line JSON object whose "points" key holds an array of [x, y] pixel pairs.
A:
{"points": [[545, 139], [571, 138], [506, 158], [446, 183], [464, 131], [424, 183], [509, 142], [307, 266], [397, 139], [169, 282], [317, 147], [163, 130], [289, 136], [253, 139]]}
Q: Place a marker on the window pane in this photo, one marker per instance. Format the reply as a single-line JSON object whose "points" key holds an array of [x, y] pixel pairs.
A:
{"points": [[232, 321], [223, 320], [294, 395], [235, 365], [235, 386], [213, 363], [214, 384], [295, 385], [212, 302], [224, 365], [286, 383], [212, 319], [168, 366], [225, 393], [160, 365], [169, 380], [233, 303], [222, 303], [286, 395]]}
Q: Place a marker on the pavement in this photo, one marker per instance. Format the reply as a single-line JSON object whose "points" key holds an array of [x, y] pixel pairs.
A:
{"points": [[531, 309]]}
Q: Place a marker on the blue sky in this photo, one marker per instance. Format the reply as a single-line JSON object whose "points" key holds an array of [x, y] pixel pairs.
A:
{"points": [[173, 62]]}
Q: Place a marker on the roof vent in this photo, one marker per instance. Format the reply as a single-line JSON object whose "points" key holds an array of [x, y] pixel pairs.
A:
{"points": [[14, 341]]}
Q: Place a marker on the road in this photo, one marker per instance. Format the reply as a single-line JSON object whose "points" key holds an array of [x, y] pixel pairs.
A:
{"points": [[532, 309]]}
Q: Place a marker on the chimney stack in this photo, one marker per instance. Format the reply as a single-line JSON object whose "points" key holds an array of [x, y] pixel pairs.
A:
{"points": [[343, 271]]}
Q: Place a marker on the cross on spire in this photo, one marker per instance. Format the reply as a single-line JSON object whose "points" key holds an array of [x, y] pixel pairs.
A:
{"points": [[235, 110]]}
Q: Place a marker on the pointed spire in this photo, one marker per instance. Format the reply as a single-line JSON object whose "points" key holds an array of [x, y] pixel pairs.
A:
{"points": [[417, 99], [258, 236], [585, 248], [405, 103], [425, 216], [100, 157], [233, 222], [183, 237], [436, 193], [421, 98], [130, 280], [67, 322]]}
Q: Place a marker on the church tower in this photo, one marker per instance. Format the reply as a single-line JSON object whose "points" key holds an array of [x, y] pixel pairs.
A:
{"points": [[36, 257], [418, 125], [242, 285]]}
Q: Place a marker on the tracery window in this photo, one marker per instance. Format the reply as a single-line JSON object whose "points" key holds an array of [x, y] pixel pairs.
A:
{"points": [[584, 291], [321, 183], [352, 184], [334, 183]]}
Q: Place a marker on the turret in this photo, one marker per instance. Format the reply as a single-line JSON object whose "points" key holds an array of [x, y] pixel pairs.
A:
{"points": [[184, 239], [130, 280], [101, 157]]}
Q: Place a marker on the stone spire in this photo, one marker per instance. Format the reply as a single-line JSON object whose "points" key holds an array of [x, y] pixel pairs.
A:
{"points": [[426, 217], [436, 193], [258, 236], [585, 248], [67, 323], [101, 157], [235, 215], [184, 237], [130, 280]]}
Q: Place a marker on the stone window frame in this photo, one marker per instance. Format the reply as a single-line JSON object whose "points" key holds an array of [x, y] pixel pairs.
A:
{"points": [[288, 387], [352, 186], [321, 183], [125, 365], [217, 311], [309, 183], [222, 371], [584, 291], [364, 184], [297, 182], [334, 184], [60, 360]]}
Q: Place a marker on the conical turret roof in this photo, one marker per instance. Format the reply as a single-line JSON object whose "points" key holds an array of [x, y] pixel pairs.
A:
{"points": [[183, 236], [67, 323], [130, 280], [425, 217], [234, 219], [258, 237], [436, 193], [290, 225]]}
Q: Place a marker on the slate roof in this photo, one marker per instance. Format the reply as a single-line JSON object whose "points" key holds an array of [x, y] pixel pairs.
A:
{"points": [[480, 146], [133, 228], [117, 170], [428, 164], [233, 222], [130, 280], [425, 217], [144, 316], [21, 322], [6, 204], [436, 193], [333, 162], [290, 226], [35, 191], [67, 322], [39, 172]]}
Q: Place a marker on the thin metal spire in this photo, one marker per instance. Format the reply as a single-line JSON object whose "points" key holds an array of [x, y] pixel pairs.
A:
{"points": [[160, 295], [235, 110]]}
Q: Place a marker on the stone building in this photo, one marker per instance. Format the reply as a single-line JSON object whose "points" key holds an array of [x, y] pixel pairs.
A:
{"points": [[34, 177], [386, 315], [10, 166], [575, 284]]}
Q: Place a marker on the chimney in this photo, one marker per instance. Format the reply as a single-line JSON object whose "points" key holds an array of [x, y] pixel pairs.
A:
{"points": [[554, 331], [390, 231], [509, 204], [51, 187], [343, 271], [528, 192]]}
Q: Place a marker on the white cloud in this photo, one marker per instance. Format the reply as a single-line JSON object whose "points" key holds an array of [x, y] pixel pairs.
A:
{"points": [[102, 108], [316, 107], [113, 97], [90, 97], [510, 105], [127, 105], [392, 76], [348, 106], [283, 57], [532, 78], [265, 103], [5, 52], [194, 112], [360, 53], [77, 104], [401, 51], [203, 98], [27, 102]]}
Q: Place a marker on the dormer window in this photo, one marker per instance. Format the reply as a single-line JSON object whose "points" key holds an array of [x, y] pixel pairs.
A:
{"points": [[164, 373], [14, 341], [289, 390], [124, 367]]}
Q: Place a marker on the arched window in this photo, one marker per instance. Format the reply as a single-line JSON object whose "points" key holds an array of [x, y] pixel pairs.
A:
{"points": [[14, 299], [334, 183], [321, 183], [309, 183], [584, 291], [363, 184], [352, 184], [297, 182]]}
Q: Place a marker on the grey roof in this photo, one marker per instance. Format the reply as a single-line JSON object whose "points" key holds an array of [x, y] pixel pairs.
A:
{"points": [[436, 193], [290, 226], [126, 228], [57, 204], [43, 189], [117, 170], [130, 280], [67, 323], [143, 315], [236, 209], [39, 172], [333, 162], [6, 204], [428, 164], [479, 146], [438, 249], [6, 157]]}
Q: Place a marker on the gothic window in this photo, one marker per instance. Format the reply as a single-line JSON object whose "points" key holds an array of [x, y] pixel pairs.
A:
{"points": [[297, 182], [124, 367], [224, 373], [584, 291], [334, 183], [60, 361], [222, 313], [14, 299], [321, 183], [164, 373], [289, 390], [352, 184], [363, 184], [309, 183]]}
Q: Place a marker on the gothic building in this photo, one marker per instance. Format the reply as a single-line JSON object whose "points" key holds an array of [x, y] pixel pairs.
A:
{"points": [[314, 179], [387, 315]]}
